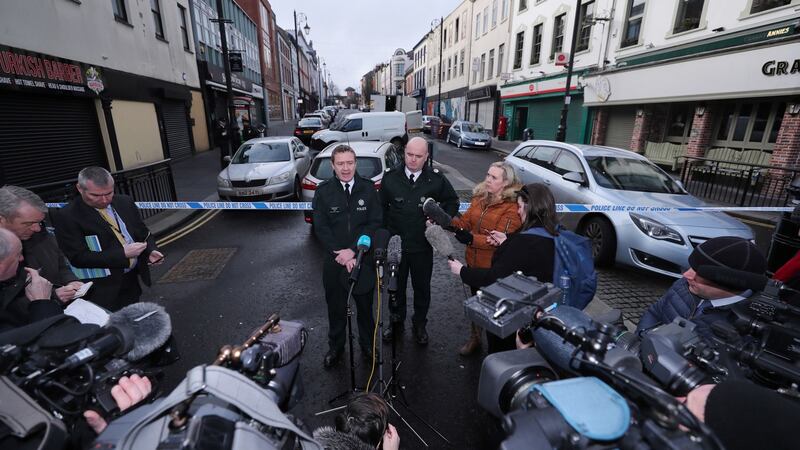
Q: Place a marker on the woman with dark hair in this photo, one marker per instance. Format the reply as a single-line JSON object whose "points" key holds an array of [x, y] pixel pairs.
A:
{"points": [[528, 253], [363, 425], [493, 208]]}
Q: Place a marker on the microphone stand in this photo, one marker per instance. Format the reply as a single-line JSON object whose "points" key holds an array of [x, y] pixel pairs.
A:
{"points": [[350, 345]]}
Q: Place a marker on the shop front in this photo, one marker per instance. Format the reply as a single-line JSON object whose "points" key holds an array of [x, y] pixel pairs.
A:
{"points": [[537, 104], [451, 105], [482, 106]]}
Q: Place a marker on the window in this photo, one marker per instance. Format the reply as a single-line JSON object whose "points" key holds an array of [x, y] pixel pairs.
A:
{"points": [[523, 5], [679, 123], [120, 13], [464, 27], [449, 67], [688, 16], [444, 40], [490, 75], [158, 24], [567, 162], [542, 156], [504, 10], [455, 35], [749, 126], [633, 23], [501, 51], [461, 67], [483, 66], [455, 65], [558, 35], [585, 27], [398, 70], [765, 5], [184, 31], [477, 26], [494, 13], [536, 44], [518, 50], [485, 20]]}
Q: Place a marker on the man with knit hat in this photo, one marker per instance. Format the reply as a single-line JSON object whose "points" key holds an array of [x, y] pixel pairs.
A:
{"points": [[722, 271]]}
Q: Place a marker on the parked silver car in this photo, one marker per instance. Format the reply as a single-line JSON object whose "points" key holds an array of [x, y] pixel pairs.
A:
{"points": [[265, 169], [468, 134], [372, 160], [584, 174]]}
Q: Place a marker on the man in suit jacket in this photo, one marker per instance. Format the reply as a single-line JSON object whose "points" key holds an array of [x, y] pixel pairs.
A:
{"points": [[101, 230]]}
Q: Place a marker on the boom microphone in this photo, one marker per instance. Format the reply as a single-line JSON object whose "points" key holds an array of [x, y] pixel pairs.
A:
{"points": [[440, 242], [394, 252], [133, 332], [362, 245], [436, 213]]}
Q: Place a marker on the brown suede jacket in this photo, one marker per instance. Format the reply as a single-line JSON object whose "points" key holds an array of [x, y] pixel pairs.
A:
{"points": [[480, 218]]}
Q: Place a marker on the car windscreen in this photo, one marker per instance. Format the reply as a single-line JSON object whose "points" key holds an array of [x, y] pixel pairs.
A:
{"points": [[261, 153], [310, 122], [366, 166], [628, 174], [473, 127]]}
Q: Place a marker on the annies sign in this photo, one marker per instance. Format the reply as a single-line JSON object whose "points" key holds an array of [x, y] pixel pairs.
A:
{"points": [[21, 69]]}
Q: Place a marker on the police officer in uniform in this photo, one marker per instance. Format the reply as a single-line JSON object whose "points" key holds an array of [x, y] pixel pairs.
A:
{"points": [[345, 208], [403, 190]]}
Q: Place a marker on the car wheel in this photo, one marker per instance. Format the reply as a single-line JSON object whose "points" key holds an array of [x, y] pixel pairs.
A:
{"points": [[604, 241], [298, 192], [460, 144]]}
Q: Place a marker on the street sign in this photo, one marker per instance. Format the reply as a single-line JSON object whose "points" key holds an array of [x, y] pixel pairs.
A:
{"points": [[235, 58], [505, 76], [561, 59]]}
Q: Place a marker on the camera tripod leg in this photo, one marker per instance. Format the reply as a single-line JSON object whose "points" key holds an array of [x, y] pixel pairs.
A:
{"points": [[407, 424]]}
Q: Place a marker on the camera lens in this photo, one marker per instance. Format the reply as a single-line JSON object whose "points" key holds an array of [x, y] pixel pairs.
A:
{"points": [[628, 341], [514, 394]]}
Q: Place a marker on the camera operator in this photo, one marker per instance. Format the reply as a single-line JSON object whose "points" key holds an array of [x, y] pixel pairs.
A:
{"points": [[24, 294], [723, 271], [744, 415], [128, 392], [363, 425]]}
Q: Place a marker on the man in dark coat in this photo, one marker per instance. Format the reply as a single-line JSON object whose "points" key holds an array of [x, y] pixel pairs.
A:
{"points": [[24, 294], [723, 271], [345, 208], [22, 213], [403, 191], [103, 234]]}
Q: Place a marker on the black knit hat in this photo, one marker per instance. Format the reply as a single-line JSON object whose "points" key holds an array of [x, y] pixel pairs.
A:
{"points": [[731, 262]]}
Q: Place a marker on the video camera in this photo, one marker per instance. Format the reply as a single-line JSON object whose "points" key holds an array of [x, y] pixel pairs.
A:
{"points": [[237, 402]]}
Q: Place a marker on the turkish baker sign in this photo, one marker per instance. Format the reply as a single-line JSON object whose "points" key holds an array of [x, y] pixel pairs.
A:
{"points": [[21, 69]]}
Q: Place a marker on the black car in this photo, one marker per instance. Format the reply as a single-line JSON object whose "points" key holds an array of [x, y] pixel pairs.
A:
{"points": [[306, 127]]}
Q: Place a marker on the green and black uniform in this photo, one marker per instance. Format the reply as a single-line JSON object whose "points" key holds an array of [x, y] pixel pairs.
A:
{"points": [[338, 223], [402, 210]]}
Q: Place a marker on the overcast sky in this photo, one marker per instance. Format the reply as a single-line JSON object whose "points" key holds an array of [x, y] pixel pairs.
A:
{"points": [[352, 36]]}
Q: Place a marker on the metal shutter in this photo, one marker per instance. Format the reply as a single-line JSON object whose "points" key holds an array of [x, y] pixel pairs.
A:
{"points": [[486, 114], [47, 138], [620, 127], [176, 127]]}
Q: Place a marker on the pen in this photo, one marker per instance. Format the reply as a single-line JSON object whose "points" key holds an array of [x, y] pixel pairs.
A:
{"points": [[508, 223]]}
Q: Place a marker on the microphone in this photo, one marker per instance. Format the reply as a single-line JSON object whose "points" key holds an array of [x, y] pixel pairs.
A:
{"points": [[436, 213], [362, 245], [379, 249], [394, 254], [133, 332], [440, 242]]}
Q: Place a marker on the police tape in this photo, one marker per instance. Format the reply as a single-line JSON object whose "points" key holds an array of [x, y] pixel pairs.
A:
{"points": [[561, 207]]}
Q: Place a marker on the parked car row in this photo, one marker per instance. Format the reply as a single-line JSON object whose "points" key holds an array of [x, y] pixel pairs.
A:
{"points": [[374, 126]]}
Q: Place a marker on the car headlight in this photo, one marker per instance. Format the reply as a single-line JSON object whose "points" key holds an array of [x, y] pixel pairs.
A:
{"points": [[656, 230], [282, 178], [223, 182]]}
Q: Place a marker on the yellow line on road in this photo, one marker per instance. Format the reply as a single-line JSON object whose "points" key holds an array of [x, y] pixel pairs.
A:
{"points": [[202, 220], [753, 222]]}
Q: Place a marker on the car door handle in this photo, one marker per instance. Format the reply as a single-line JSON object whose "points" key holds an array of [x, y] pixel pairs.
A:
{"points": [[546, 182]]}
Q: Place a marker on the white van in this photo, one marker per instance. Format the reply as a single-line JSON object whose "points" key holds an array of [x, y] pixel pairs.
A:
{"points": [[372, 126]]}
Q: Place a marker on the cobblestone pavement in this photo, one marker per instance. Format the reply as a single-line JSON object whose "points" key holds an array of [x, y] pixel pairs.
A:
{"points": [[630, 290]]}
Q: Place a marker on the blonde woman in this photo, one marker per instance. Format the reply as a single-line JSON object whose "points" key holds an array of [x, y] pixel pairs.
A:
{"points": [[493, 208]]}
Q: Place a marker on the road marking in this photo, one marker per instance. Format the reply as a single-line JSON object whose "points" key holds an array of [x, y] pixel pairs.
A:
{"points": [[183, 231], [753, 222]]}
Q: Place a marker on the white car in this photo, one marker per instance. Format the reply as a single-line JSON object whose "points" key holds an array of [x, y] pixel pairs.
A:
{"points": [[372, 160], [265, 169]]}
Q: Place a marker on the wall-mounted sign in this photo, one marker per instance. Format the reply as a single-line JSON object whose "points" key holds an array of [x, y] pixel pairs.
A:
{"points": [[235, 58], [773, 67], [22, 69]]}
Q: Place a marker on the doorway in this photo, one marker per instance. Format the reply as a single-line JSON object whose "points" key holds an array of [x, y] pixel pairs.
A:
{"points": [[520, 122]]}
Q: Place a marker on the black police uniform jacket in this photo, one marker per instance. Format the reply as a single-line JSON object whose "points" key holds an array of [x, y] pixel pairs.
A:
{"points": [[402, 203], [338, 223]]}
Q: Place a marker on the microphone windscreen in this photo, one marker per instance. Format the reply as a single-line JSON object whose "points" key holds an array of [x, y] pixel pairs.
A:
{"points": [[381, 241], [148, 324], [394, 251], [436, 213], [439, 240], [363, 242]]}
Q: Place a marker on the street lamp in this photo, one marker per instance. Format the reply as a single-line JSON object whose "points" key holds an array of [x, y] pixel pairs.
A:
{"points": [[561, 134], [325, 82], [299, 18], [232, 126], [434, 23]]}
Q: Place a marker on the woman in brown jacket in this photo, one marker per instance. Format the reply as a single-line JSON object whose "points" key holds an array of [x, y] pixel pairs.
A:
{"points": [[493, 208]]}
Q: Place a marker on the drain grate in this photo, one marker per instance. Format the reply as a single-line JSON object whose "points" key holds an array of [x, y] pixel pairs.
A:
{"points": [[201, 264]]}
